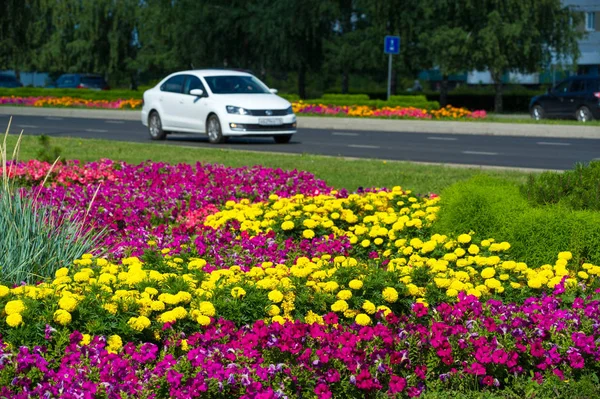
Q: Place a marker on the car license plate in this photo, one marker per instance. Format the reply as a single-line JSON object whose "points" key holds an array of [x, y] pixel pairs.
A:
{"points": [[270, 121]]}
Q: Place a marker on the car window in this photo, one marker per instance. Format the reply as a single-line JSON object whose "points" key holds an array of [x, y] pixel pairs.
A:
{"points": [[593, 85], [236, 84], [562, 87], [66, 80], [192, 82], [98, 80], [6, 78], [174, 84], [577, 86]]}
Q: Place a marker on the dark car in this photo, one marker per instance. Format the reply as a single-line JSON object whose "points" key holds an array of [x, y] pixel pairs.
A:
{"points": [[576, 97], [9, 81], [81, 81]]}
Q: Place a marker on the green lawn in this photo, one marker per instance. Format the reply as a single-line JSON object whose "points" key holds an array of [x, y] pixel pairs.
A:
{"points": [[338, 172]]}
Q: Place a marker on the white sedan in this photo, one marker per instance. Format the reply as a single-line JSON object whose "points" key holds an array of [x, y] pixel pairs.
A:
{"points": [[218, 103]]}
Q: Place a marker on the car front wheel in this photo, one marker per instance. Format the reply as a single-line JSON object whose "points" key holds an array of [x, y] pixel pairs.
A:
{"points": [[213, 129], [537, 112], [584, 114], [282, 138], [155, 127]]}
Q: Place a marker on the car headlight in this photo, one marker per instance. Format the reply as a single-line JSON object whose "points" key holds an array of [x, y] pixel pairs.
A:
{"points": [[289, 111], [238, 110]]}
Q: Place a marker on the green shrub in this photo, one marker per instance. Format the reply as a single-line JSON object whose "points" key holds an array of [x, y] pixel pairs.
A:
{"points": [[47, 153], [109, 95], [495, 208], [346, 97], [35, 241], [576, 189], [289, 97], [482, 204]]}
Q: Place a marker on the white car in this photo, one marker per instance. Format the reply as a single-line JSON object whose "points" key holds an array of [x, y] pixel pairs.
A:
{"points": [[218, 103]]}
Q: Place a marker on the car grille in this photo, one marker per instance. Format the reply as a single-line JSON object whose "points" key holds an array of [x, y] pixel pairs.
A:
{"points": [[261, 128], [263, 112]]}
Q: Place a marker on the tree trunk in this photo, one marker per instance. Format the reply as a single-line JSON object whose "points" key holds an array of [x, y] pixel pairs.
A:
{"points": [[345, 81], [133, 81], [497, 77], [393, 84], [444, 91], [302, 82]]}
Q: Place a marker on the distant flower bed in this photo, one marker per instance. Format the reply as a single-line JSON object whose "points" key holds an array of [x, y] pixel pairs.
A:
{"points": [[448, 112], [48, 101]]}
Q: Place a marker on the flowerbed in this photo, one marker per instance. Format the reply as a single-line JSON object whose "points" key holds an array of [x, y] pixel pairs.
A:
{"points": [[253, 282], [448, 112], [48, 101]]}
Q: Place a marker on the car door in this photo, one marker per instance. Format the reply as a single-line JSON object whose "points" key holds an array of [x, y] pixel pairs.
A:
{"points": [[193, 110], [556, 98], [171, 93], [574, 97]]}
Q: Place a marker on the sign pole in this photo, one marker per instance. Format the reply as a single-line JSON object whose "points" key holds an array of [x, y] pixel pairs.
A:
{"points": [[389, 85]]}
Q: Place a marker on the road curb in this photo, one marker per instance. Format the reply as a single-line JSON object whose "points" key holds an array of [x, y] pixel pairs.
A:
{"points": [[380, 125]]}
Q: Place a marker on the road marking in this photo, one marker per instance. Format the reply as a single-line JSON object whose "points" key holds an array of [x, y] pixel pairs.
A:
{"points": [[479, 153], [54, 118], [28, 126], [116, 122], [442, 138], [551, 143], [96, 130], [363, 146], [344, 134]]}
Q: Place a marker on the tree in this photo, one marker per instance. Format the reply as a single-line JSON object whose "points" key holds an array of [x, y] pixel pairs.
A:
{"points": [[449, 37], [522, 36]]}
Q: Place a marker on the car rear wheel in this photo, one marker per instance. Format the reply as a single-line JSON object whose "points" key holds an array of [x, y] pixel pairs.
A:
{"points": [[213, 129], [584, 114], [282, 138], [537, 112], [155, 127]]}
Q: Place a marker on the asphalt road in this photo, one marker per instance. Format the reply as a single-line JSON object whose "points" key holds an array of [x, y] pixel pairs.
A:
{"points": [[483, 150]]}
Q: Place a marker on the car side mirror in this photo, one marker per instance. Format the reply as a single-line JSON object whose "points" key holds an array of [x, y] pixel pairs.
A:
{"points": [[274, 91], [197, 92]]}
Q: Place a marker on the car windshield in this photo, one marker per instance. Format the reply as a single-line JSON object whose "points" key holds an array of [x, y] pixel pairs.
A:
{"points": [[236, 84], [92, 80]]}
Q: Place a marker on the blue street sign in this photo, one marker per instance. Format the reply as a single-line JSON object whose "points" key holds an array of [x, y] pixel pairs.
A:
{"points": [[391, 45]]}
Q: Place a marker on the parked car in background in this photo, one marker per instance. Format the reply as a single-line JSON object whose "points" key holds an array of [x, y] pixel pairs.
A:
{"points": [[576, 97], [218, 103], [80, 81], [9, 81]]}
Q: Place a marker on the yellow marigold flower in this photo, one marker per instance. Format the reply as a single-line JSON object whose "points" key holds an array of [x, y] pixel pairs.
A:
{"points": [[331, 286], [369, 307], [488, 272], [308, 234], [165, 251], [114, 343], [62, 272], [14, 307], [278, 319], [362, 319], [390, 294], [515, 285], [355, 284], [378, 241], [473, 249], [85, 339], [583, 275], [534, 283], [4, 290], [139, 323], [62, 317], [464, 238], [275, 296], [312, 318], [339, 306], [196, 264], [67, 303], [111, 308], [365, 243], [344, 294], [14, 319], [203, 320], [101, 262], [287, 225], [459, 252], [273, 310], [207, 308], [184, 345], [451, 292], [566, 255], [157, 306], [238, 292], [493, 283], [504, 277]]}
